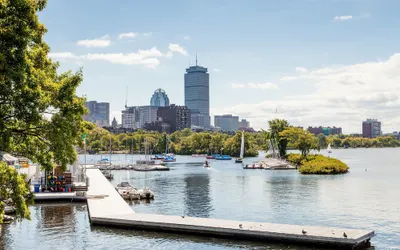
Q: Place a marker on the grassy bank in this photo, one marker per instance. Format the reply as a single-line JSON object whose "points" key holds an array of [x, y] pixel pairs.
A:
{"points": [[318, 164]]}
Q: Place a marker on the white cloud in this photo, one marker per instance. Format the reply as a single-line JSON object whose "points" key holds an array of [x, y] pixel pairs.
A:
{"points": [[251, 85], [174, 47], [337, 96], [147, 58], [186, 37], [133, 35], [238, 85], [62, 55], [342, 18], [216, 70], [127, 35], [301, 70], [95, 43]]}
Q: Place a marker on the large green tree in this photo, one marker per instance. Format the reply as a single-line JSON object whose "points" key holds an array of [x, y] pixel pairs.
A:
{"points": [[276, 126], [40, 113], [300, 139]]}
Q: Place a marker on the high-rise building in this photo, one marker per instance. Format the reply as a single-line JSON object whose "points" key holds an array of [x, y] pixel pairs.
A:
{"points": [[159, 98], [99, 113], [244, 124], [147, 114], [226, 122], [325, 130], [197, 95], [130, 118], [137, 116], [371, 128], [177, 116]]}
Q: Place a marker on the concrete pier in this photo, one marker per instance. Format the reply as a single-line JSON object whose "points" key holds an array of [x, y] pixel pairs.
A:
{"points": [[106, 207]]}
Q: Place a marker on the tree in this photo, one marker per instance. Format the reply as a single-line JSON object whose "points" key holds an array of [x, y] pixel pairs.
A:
{"points": [[276, 126], [40, 113], [300, 139], [13, 189], [322, 141]]}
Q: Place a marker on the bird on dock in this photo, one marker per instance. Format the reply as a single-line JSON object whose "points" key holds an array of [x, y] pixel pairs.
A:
{"points": [[241, 226], [303, 231], [345, 235]]}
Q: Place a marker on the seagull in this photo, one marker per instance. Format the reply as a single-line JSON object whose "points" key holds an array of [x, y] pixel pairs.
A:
{"points": [[240, 225], [303, 231], [345, 235]]}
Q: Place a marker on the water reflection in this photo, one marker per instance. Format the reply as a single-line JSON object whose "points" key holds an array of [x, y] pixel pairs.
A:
{"points": [[197, 196]]}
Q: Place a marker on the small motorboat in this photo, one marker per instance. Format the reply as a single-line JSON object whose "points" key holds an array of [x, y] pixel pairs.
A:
{"points": [[210, 157], [169, 158], [199, 155], [223, 158], [157, 157], [108, 175], [239, 160]]}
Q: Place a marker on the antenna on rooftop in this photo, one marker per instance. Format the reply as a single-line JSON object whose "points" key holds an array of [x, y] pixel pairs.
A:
{"points": [[126, 97]]}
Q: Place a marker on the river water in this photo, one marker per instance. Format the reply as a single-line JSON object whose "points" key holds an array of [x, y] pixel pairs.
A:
{"points": [[366, 198]]}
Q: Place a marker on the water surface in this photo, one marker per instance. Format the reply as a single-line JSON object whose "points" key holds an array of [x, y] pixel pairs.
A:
{"points": [[366, 198]]}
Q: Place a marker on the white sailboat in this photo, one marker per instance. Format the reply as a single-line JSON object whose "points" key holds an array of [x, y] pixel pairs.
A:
{"points": [[240, 159], [329, 148]]}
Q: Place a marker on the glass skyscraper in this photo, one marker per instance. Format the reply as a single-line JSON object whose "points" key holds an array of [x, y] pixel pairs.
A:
{"points": [[197, 95], [159, 98]]}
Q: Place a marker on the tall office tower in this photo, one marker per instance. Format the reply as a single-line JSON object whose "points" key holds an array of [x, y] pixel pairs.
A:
{"points": [[99, 113], [197, 95]]}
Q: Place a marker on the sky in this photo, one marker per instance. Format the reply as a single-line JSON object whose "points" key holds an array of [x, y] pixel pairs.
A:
{"points": [[312, 62]]}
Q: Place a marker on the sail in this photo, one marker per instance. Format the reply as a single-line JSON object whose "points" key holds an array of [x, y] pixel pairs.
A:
{"points": [[242, 146]]}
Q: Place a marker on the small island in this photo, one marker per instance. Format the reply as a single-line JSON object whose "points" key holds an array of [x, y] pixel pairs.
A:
{"points": [[318, 164]]}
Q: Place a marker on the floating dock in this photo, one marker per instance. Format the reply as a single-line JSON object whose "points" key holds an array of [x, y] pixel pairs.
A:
{"points": [[106, 207], [71, 196]]}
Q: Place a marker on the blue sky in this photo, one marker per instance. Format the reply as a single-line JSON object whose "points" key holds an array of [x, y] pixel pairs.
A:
{"points": [[330, 62]]}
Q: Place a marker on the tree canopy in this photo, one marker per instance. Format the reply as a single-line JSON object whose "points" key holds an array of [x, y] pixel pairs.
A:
{"points": [[180, 142], [40, 113]]}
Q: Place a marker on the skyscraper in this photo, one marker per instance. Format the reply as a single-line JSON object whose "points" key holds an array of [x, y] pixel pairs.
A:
{"points": [[371, 128], [159, 98], [177, 116], [226, 122], [197, 95], [99, 113]]}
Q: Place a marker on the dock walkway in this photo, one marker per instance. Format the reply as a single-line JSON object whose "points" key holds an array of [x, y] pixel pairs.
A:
{"points": [[106, 207]]}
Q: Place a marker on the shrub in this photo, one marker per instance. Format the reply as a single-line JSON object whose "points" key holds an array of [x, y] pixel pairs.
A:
{"points": [[318, 164]]}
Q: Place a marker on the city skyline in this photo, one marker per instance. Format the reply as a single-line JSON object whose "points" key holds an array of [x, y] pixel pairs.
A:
{"points": [[327, 68]]}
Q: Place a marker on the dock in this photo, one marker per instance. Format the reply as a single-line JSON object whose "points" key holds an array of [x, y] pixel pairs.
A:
{"points": [[107, 208], [70, 196]]}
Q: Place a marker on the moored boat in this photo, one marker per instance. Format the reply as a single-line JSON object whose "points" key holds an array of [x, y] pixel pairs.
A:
{"points": [[169, 158], [223, 158], [240, 159], [157, 157]]}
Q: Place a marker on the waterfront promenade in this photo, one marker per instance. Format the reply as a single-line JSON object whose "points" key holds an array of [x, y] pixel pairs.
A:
{"points": [[106, 207]]}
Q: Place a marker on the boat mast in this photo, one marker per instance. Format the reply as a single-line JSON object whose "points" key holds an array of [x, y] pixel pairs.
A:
{"points": [[242, 146]]}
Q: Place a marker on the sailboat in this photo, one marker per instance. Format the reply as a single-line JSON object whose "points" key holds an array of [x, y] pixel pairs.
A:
{"points": [[240, 159], [168, 157], [329, 148]]}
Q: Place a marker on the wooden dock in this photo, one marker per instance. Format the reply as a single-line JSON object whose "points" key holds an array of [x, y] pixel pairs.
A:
{"points": [[106, 207]]}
